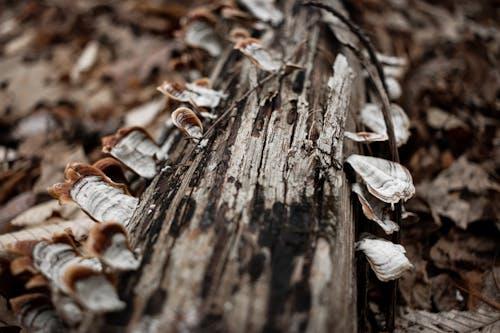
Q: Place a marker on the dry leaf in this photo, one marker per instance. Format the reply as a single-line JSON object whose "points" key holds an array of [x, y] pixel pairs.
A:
{"points": [[86, 60], [452, 321], [144, 114]]}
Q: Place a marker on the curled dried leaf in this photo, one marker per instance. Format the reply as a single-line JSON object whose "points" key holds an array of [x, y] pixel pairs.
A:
{"points": [[109, 242], [386, 180], [36, 313], [95, 193], [375, 210], [386, 259], [264, 10], [200, 33], [135, 148], [258, 54], [196, 93], [372, 117], [365, 136], [186, 120]]}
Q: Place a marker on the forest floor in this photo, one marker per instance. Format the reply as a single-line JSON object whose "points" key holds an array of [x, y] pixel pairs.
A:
{"points": [[71, 73]]}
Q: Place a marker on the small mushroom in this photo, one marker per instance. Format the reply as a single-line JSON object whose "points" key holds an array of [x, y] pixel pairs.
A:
{"points": [[375, 210], [109, 242], [259, 55], [371, 116], [264, 10], [100, 197], [199, 32], [135, 148], [393, 88], [386, 180], [22, 241], [112, 169], [92, 289], [36, 313], [198, 93], [237, 34], [36, 281], [186, 120], [80, 277], [22, 265], [386, 259]]}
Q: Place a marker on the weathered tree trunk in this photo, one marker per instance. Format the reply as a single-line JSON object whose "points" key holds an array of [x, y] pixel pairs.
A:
{"points": [[256, 231]]}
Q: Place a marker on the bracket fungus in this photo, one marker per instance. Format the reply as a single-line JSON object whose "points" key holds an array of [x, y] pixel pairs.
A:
{"points": [[77, 276], [371, 116], [36, 313], [112, 168], [394, 89], [386, 259], [392, 66], [186, 120], [375, 210], [100, 197], [264, 10], [386, 180], [135, 148], [199, 32], [197, 93], [237, 34], [109, 242], [10, 241], [258, 54]]}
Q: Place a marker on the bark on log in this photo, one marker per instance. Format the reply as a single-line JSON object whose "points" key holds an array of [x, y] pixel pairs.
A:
{"points": [[256, 231]]}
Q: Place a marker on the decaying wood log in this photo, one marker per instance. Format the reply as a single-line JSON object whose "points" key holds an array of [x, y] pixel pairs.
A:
{"points": [[255, 231]]}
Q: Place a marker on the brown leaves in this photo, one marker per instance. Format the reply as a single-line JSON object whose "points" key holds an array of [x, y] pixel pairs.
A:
{"points": [[459, 193], [459, 251]]}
